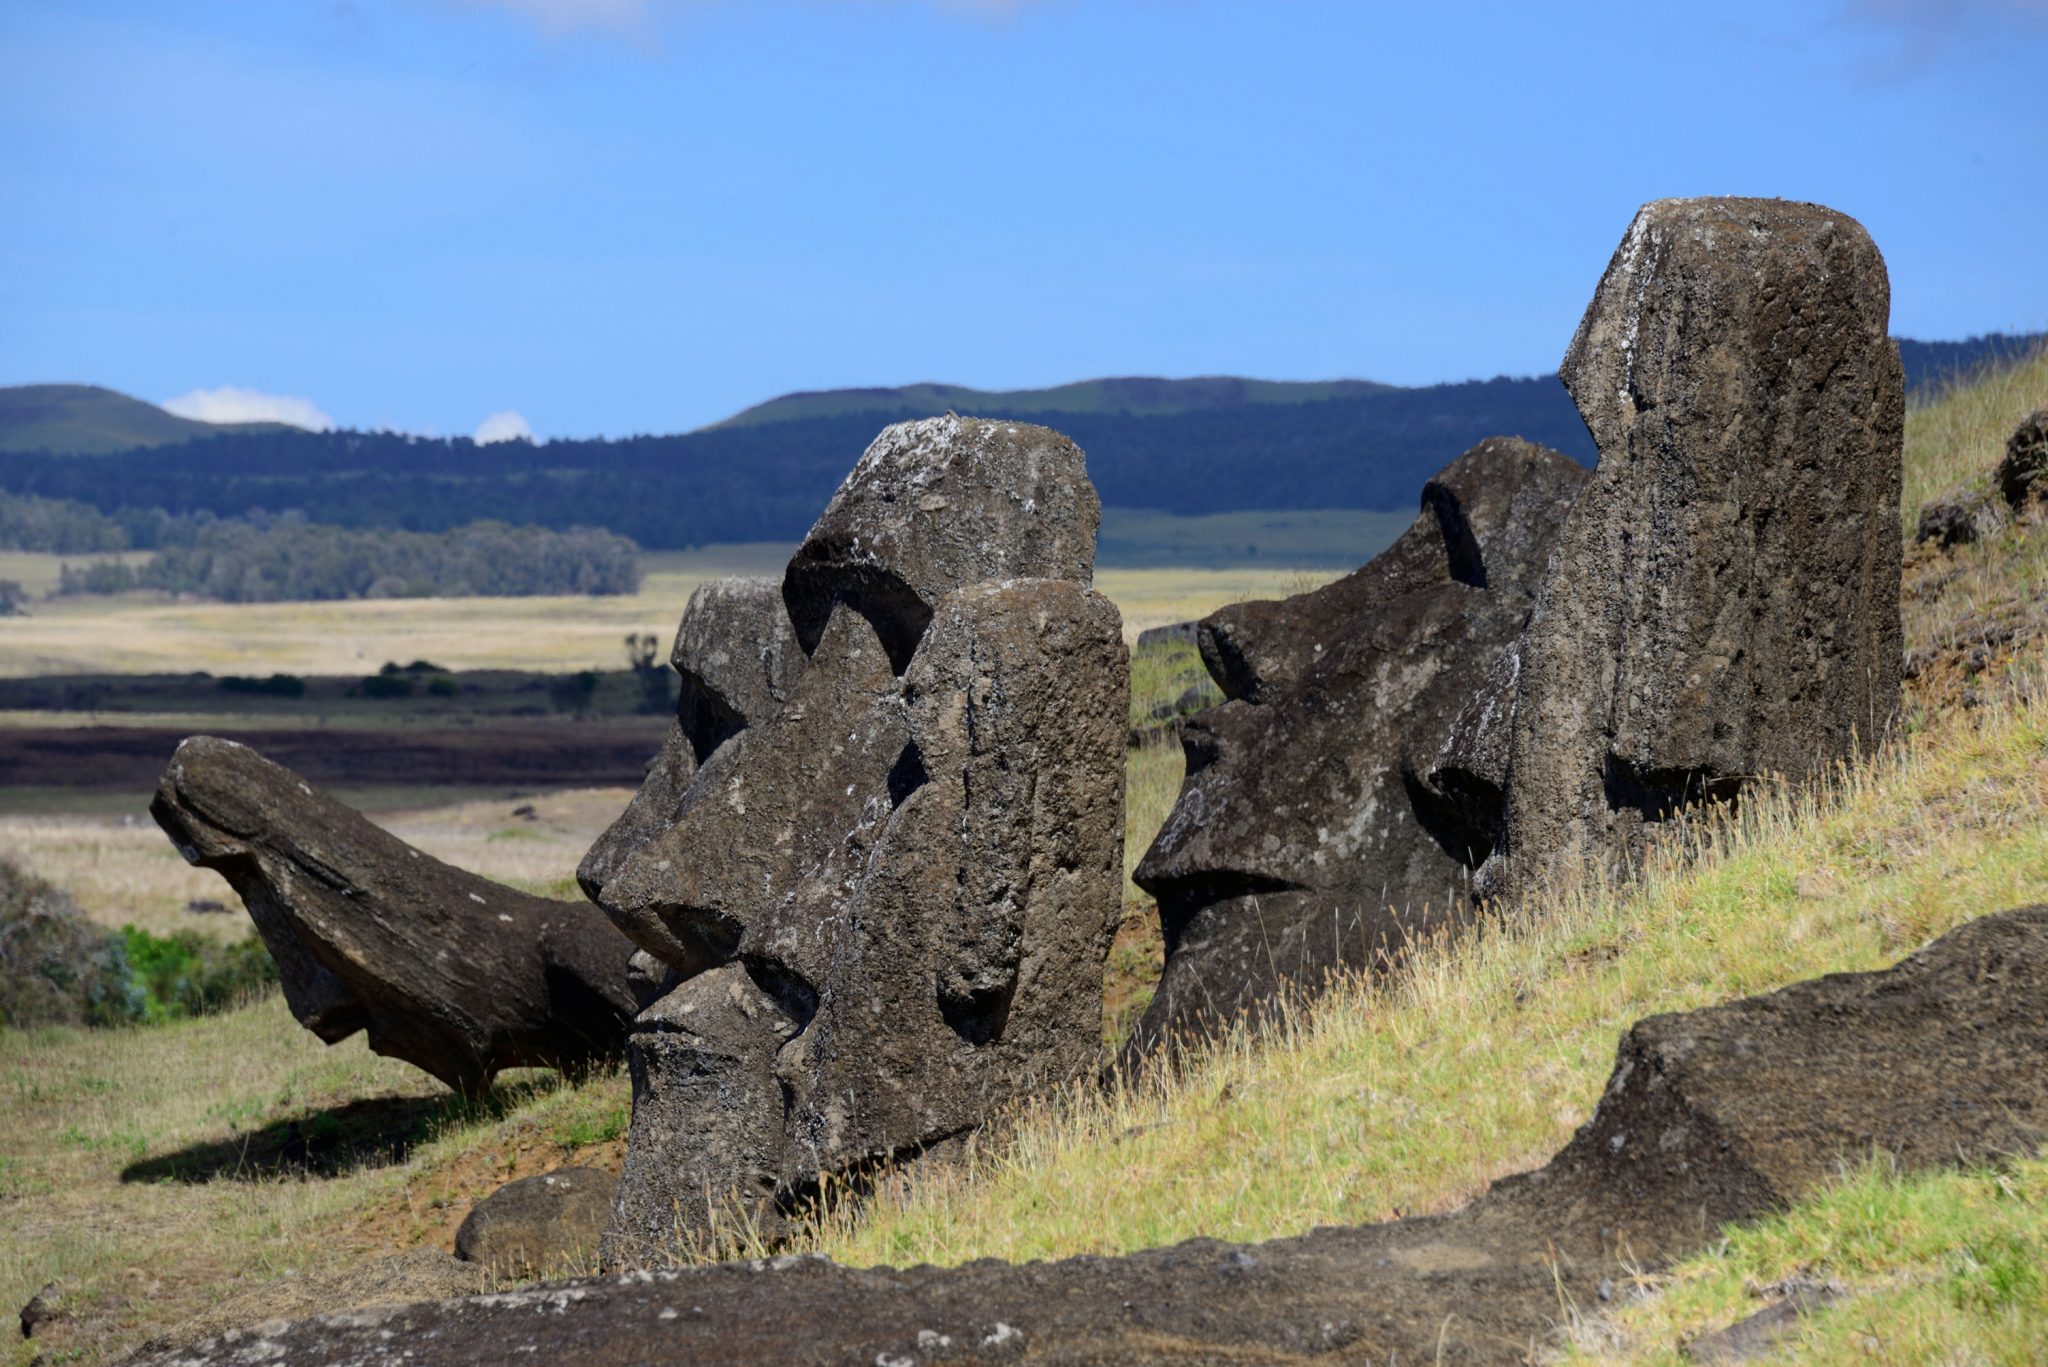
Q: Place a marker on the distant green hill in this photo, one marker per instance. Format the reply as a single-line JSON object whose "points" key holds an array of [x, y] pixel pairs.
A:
{"points": [[86, 420], [1138, 396]]}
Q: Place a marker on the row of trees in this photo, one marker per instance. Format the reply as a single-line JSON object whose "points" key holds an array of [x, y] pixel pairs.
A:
{"points": [[287, 558]]}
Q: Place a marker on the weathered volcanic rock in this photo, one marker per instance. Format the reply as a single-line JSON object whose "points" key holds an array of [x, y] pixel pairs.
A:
{"points": [[936, 505], [738, 663], [926, 950], [1960, 517], [1724, 600], [453, 973], [955, 963], [548, 1223], [1711, 1117], [2025, 461], [883, 909], [768, 806], [1308, 836], [705, 1149]]}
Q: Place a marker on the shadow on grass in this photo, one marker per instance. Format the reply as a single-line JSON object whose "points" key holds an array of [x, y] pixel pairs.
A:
{"points": [[371, 1133]]}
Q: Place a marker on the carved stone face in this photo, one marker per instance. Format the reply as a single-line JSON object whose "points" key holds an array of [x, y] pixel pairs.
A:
{"points": [[1319, 828], [885, 901]]}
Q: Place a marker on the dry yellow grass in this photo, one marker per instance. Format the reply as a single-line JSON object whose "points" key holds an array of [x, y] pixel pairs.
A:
{"points": [[1411, 1096], [150, 633], [1957, 437]]}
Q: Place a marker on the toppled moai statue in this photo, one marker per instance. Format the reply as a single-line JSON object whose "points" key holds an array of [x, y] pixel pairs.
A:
{"points": [[887, 905], [1724, 601], [1308, 837], [451, 972]]}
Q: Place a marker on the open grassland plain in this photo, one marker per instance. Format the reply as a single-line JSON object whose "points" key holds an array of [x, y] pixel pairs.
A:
{"points": [[152, 633], [151, 1168]]}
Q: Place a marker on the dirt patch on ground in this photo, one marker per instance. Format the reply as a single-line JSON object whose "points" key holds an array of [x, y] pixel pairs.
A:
{"points": [[427, 1211], [1709, 1117]]}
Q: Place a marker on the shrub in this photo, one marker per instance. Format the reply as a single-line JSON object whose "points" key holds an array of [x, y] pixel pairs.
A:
{"points": [[189, 974], [276, 686], [387, 685], [441, 686], [57, 968]]}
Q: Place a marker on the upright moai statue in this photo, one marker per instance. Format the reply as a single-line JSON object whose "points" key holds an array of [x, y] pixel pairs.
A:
{"points": [[1312, 835], [1724, 602], [885, 906]]}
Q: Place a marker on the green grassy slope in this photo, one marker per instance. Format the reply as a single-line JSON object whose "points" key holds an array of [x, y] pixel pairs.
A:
{"points": [[84, 419]]}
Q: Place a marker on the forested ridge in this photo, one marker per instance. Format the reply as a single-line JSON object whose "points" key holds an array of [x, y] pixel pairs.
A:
{"points": [[760, 480], [767, 482]]}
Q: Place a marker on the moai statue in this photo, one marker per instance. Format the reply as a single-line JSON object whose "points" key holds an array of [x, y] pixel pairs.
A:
{"points": [[1724, 602], [883, 907], [1312, 835]]}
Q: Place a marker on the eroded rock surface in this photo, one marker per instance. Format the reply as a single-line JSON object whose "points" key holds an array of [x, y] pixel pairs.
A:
{"points": [[1724, 601], [933, 506], [1710, 1117], [453, 973], [1312, 832], [738, 662], [884, 908]]}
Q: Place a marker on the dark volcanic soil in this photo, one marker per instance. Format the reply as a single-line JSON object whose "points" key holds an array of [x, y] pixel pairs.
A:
{"points": [[1710, 1117], [541, 754]]}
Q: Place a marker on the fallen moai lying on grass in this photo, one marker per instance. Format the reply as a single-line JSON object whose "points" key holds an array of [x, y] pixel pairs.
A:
{"points": [[885, 905], [1549, 665], [1710, 1117], [453, 973]]}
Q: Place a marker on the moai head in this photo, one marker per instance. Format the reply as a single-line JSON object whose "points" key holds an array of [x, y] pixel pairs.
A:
{"points": [[1725, 598], [915, 861], [1312, 834]]}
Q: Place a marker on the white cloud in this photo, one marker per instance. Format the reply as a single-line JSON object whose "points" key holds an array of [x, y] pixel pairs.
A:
{"points": [[232, 403], [505, 426]]}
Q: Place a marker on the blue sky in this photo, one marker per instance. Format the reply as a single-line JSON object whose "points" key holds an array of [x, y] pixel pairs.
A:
{"points": [[617, 216]]}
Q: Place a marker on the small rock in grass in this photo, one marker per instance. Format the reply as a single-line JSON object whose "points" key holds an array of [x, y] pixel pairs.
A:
{"points": [[1960, 517], [44, 1311], [539, 1225], [2026, 457]]}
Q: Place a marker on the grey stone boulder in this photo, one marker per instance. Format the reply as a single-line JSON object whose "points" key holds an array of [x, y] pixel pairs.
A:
{"points": [[2025, 461], [738, 663], [936, 505], [453, 973], [1312, 835], [540, 1225], [1724, 602]]}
